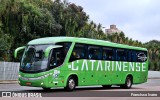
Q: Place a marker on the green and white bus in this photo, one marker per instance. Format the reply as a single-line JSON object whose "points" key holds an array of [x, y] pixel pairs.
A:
{"points": [[69, 62]]}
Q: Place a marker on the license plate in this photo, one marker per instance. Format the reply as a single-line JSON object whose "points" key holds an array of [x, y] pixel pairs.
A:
{"points": [[28, 83]]}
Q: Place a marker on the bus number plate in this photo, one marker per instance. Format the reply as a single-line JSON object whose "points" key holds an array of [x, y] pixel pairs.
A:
{"points": [[28, 83]]}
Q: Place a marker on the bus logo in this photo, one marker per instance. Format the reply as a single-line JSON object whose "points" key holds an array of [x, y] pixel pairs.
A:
{"points": [[142, 57]]}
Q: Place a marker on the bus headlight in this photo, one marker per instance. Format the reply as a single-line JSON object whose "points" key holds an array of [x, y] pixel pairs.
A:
{"points": [[19, 76], [42, 83]]}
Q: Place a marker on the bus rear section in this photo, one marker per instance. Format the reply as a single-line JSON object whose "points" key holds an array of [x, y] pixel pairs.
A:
{"points": [[107, 66]]}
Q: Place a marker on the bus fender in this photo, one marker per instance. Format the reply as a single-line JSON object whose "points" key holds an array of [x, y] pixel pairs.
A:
{"points": [[65, 80], [128, 74]]}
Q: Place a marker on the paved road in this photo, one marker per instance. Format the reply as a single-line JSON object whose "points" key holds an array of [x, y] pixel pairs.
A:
{"points": [[152, 87]]}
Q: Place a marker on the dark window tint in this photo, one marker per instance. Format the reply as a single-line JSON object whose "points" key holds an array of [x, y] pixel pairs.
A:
{"points": [[141, 56], [94, 52], [108, 54], [58, 55], [132, 56], [56, 58], [78, 52], [137, 56], [121, 55]]}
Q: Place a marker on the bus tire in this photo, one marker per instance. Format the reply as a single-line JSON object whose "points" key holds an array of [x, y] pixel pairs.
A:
{"points": [[128, 83], [107, 86], [71, 84], [46, 89]]}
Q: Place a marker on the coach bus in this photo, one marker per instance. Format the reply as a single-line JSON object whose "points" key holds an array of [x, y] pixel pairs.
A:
{"points": [[69, 62]]}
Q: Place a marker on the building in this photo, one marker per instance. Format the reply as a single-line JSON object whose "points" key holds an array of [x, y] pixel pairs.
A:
{"points": [[113, 29]]}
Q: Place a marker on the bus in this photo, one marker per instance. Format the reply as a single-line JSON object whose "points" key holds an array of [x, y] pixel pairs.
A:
{"points": [[69, 62]]}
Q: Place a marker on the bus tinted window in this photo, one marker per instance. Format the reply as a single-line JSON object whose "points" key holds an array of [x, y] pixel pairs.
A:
{"points": [[141, 56], [108, 54], [94, 52], [58, 55], [121, 55], [78, 52], [133, 56], [137, 56]]}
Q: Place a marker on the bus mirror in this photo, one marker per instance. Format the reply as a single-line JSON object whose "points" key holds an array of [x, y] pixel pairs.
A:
{"points": [[47, 51], [17, 50]]}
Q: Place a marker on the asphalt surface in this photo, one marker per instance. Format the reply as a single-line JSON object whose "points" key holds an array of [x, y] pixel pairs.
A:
{"points": [[152, 87]]}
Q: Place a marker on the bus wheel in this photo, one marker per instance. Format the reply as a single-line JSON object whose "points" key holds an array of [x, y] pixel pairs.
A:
{"points": [[71, 84], [46, 89], [106, 86], [128, 83]]}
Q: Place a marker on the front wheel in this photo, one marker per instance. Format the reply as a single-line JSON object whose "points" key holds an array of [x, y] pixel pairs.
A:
{"points": [[128, 83], [71, 84]]}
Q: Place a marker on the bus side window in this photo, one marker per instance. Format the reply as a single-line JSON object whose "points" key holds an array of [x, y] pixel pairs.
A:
{"points": [[133, 55], [65, 48], [130, 56], [56, 58], [78, 52], [108, 54], [141, 56], [121, 55], [94, 52]]}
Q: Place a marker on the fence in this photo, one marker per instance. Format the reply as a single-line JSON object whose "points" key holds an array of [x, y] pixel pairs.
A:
{"points": [[9, 71]]}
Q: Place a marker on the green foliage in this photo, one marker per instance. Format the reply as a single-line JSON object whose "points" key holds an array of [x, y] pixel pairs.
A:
{"points": [[25, 20], [5, 45], [70, 16], [154, 54], [121, 38]]}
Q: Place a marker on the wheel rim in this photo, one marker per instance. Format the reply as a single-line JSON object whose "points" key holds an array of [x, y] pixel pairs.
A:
{"points": [[128, 82], [71, 83]]}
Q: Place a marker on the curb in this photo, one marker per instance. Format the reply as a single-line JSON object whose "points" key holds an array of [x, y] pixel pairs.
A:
{"points": [[154, 78]]}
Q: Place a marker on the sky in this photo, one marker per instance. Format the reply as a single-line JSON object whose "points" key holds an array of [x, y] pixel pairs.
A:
{"points": [[138, 19]]}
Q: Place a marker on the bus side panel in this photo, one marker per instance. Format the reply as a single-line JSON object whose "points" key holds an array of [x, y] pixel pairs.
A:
{"points": [[140, 76], [118, 74], [92, 75]]}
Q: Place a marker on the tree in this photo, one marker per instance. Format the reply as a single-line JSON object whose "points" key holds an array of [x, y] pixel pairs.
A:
{"points": [[71, 17], [25, 20], [121, 37], [100, 33], [154, 54], [5, 45]]}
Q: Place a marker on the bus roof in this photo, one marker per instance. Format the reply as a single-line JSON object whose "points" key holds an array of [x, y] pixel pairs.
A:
{"points": [[50, 40]]}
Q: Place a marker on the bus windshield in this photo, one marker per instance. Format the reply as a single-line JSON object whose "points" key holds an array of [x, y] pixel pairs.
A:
{"points": [[33, 59]]}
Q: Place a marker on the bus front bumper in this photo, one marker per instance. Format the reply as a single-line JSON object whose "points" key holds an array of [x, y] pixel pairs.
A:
{"points": [[33, 82]]}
